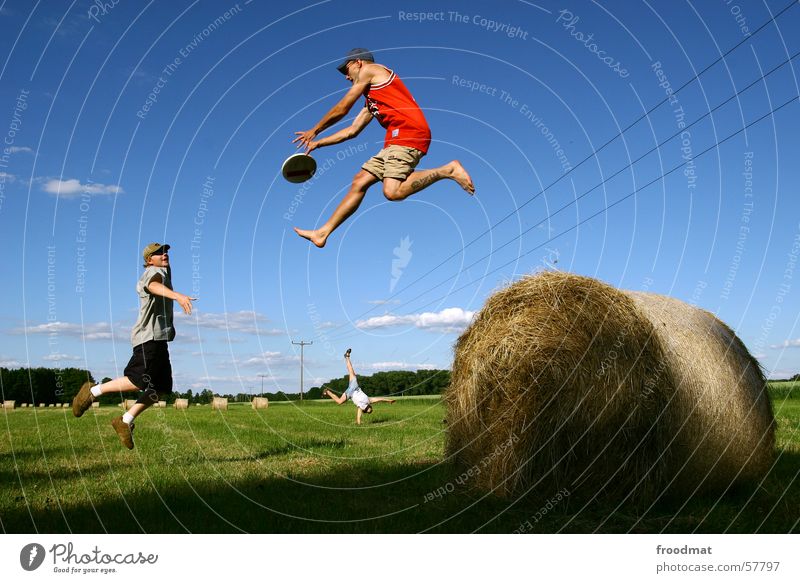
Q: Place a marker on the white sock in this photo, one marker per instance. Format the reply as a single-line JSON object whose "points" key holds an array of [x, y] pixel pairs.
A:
{"points": [[127, 418], [96, 391]]}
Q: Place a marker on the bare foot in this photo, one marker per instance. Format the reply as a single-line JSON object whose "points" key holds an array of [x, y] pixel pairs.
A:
{"points": [[460, 175], [313, 236]]}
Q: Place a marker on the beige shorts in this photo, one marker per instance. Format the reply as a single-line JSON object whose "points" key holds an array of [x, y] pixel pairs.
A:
{"points": [[393, 162]]}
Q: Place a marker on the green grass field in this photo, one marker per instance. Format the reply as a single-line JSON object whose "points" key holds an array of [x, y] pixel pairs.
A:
{"points": [[309, 468]]}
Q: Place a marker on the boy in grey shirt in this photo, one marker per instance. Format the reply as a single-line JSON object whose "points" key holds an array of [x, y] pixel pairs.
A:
{"points": [[149, 369]]}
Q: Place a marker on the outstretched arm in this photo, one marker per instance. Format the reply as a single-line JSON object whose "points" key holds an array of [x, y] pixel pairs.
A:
{"points": [[359, 123], [336, 113], [157, 288], [358, 416]]}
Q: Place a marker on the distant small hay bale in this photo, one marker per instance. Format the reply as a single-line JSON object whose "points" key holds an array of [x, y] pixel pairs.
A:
{"points": [[42, 405], [9, 405], [128, 403], [181, 403], [96, 405], [562, 380], [259, 403], [161, 404], [52, 405], [220, 403]]}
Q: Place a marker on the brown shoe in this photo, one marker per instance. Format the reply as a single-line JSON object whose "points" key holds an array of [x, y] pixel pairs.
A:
{"points": [[347, 353], [124, 430], [83, 400]]}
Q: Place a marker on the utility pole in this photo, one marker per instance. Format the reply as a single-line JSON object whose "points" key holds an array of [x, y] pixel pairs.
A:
{"points": [[302, 344], [262, 383]]}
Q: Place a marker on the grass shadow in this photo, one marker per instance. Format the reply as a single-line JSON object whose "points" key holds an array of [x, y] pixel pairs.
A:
{"points": [[394, 498]]}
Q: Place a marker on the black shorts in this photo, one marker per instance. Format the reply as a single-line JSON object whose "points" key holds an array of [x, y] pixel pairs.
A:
{"points": [[150, 370]]}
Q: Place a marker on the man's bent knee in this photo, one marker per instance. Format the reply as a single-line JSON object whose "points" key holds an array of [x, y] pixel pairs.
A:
{"points": [[363, 180], [391, 190]]}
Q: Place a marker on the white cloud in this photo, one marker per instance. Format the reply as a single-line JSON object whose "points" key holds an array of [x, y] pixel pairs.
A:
{"points": [[58, 357], [396, 365], [72, 188], [6, 177], [245, 321], [447, 320], [780, 373], [787, 344], [94, 331], [9, 362], [16, 149], [271, 359]]}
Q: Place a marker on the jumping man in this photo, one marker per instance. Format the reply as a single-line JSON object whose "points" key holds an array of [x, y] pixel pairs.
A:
{"points": [[407, 140], [149, 369]]}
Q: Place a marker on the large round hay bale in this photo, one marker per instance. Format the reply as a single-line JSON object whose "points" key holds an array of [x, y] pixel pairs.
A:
{"points": [[9, 405], [562, 381], [220, 403], [181, 403]]}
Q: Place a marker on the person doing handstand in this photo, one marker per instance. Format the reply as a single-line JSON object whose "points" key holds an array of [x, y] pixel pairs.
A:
{"points": [[354, 393]]}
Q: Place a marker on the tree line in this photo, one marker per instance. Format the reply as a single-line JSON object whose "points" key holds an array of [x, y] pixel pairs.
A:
{"points": [[49, 386]]}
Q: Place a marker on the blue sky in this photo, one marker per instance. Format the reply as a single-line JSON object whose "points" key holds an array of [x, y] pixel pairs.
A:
{"points": [[168, 121]]}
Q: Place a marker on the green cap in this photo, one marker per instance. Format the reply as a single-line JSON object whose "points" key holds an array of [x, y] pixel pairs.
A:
{"points": [[152, 249]]}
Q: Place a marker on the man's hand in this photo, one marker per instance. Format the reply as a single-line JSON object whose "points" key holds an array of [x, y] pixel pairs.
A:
{"points": [[306, 140], [185, 302]]}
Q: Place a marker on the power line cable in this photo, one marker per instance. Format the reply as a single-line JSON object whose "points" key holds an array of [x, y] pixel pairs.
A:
{"points": [[602, 211], [594, 154]]}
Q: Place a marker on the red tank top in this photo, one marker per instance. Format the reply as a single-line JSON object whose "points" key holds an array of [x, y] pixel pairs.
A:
{"points": [[392, 104]]}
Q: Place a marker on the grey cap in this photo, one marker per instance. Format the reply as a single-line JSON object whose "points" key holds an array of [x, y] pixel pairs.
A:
{"points": [[354, 55]]}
